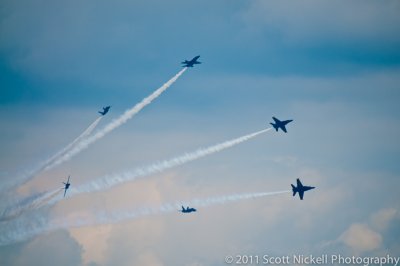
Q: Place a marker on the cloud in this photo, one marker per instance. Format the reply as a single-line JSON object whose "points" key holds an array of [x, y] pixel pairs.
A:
{"points": [[381, 219], [361, 238], [93, 241], [370, 237], [345, 130], [135, 241], [57, 248], [101, 244]]}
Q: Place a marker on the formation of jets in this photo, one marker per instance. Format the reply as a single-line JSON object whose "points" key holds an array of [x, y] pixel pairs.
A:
{"points": [[278, 124]]}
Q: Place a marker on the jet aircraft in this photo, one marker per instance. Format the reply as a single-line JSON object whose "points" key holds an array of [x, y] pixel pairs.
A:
{"points": [[300, 189], [66, 186], [192, 62], [280, 124], [188, 210], [105, 110]]}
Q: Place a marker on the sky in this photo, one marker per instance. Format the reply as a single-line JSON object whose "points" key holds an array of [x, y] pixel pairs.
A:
{"points": [[331, 66]]}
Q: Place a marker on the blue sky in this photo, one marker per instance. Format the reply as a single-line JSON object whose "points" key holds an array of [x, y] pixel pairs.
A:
{"points": [[333, 67]]}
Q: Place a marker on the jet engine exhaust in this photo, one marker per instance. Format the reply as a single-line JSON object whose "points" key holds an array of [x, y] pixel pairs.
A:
{"points": [[51, 162], [28, 227], [119, 121], [109, 181]]}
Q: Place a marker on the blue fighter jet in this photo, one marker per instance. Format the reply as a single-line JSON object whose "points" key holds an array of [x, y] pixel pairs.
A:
{"points": [[188, 210], [192, 62], [105, 110], [66, 186], [280, 124], [300, 189]]}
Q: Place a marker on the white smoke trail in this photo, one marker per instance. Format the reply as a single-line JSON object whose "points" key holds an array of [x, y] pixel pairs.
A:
{"points": [[50, 163], [108, 218], [26, 204], [83, 141], [18, 206], [29, 227], [119, 121], [116, 179], [113, 180]]}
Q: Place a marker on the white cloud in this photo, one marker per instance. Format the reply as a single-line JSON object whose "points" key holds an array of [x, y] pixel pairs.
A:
{"points": [[337, 120], [361, 238], [57, 248], [93, 241], [381, 219], [370, 237]]}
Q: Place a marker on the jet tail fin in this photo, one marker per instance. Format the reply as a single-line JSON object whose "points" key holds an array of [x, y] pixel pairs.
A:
{"points": [[275, 126], [294, 190]]}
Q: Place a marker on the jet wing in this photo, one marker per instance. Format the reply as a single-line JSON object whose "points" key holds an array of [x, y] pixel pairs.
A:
{"points": [[301, 194], [284, 129], [276, 120], [299, 184]]}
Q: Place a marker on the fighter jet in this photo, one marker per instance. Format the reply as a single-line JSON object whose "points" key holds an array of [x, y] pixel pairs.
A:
{"points": [[66, 186], [105, 110], [188, 210], [300, 188], [192, 62], [280, 124]]}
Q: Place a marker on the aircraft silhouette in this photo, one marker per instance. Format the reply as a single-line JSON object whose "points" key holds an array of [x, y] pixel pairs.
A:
{"points": [[105, 110], [192, 62], [300, 189], [280, 124], [188, 210], [66, 186]]}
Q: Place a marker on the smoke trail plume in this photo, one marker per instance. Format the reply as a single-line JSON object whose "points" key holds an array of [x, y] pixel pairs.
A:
{"points": [[113, 180], [104, 218], [28, 227], [50, 163], [15, 209], [119, 121]]}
